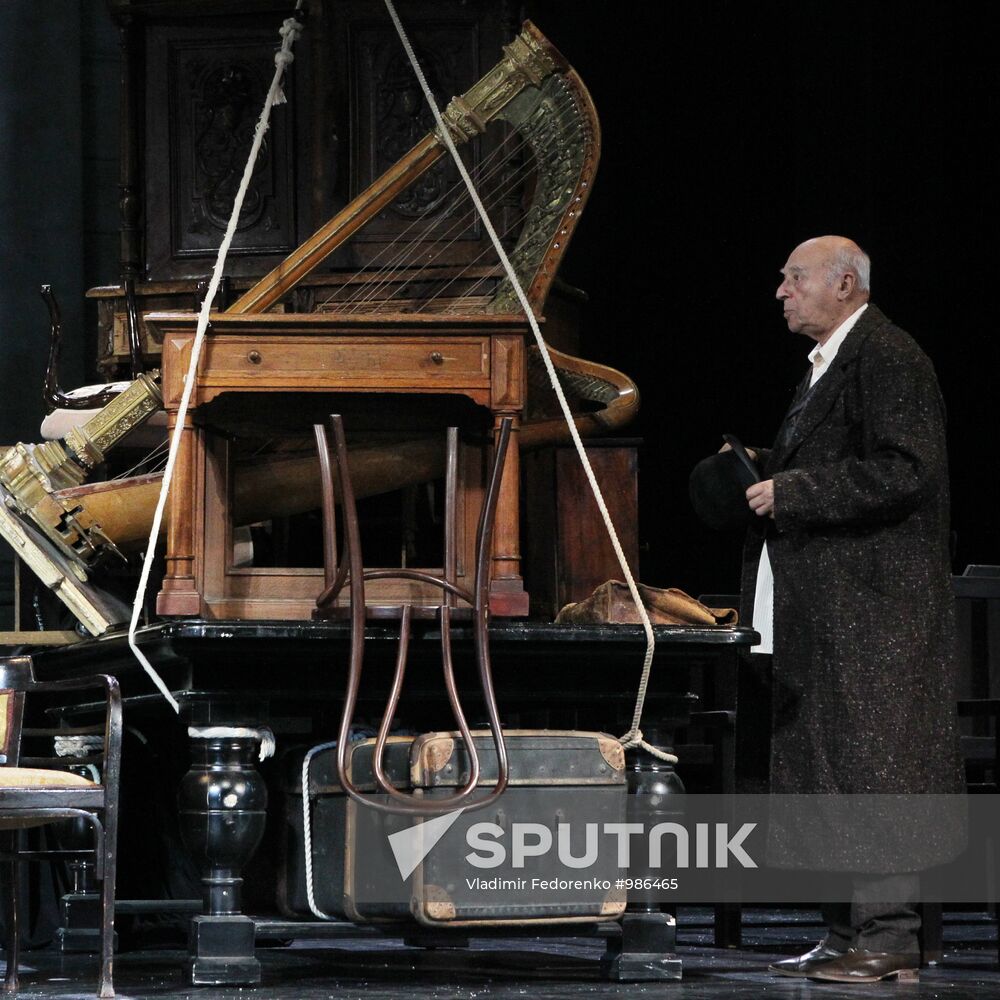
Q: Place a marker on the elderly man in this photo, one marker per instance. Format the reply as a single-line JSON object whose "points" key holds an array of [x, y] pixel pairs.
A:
{"points": [[847, 578]]}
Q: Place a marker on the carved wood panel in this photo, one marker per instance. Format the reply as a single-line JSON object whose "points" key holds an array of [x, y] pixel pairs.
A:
{"points": [[391, 116], [205, 89], [386, 115], [198, 74]]}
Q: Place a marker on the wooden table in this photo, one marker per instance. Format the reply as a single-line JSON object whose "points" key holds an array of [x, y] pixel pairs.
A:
{"points": [[478, 357]]}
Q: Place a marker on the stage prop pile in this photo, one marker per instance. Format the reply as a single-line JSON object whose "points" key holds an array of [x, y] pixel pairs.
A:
{"points": [[65, 526]]}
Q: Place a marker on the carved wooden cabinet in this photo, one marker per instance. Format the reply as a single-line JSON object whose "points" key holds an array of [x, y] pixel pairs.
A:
{"points": [[204, 89]]}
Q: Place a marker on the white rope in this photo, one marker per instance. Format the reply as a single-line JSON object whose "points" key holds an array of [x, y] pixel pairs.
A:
{"points": [[264, 734], [80, 746], [77, 746], [307, 830], [633, 738], [290, 31]]}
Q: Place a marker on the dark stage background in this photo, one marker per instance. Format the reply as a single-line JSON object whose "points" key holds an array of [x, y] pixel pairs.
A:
{"points": [[732, 131]]}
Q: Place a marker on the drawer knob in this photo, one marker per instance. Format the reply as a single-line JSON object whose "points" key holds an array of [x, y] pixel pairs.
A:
{"points": [[254, 357], [437, 357]]}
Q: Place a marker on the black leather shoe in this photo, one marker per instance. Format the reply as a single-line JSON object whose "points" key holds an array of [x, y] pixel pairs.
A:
{"points": [[805, 965], [868, 967]]}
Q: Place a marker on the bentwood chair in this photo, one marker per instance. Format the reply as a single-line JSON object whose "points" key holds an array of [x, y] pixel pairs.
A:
{"points": [[350, 571], [39, 784]]}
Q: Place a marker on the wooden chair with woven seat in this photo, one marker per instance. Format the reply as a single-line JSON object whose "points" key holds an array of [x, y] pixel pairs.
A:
{"points": [[37, 788]]}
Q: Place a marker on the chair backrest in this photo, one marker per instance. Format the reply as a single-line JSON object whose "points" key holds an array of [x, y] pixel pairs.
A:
{"points": [[15, 675], [28, 742]]}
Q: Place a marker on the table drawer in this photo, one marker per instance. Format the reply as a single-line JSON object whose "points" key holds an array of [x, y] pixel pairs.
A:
{"points": [[346, 361]]}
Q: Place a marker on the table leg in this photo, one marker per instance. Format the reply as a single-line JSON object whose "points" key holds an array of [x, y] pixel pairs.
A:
{"points": [[508, 597], [646, 951], [179, 594], [223, 809]]}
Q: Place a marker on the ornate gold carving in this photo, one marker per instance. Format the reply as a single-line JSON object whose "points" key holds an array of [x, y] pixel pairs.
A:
{"points": [[30, 474], [461, 123], [524, 64], [501, 97], [95, 612], [550, 121], [527, 54], [105, 429], [28, 477]]}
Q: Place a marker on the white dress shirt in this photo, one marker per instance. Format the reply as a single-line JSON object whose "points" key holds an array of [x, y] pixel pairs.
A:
{"points": [[820, 357]]}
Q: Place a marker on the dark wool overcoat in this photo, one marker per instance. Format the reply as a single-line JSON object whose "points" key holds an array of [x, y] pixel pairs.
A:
{"points": [[864, 633]]}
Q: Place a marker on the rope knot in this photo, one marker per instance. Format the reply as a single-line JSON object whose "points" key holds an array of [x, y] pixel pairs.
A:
{"points": [[290, 27], [290, 31], [633, 738]]}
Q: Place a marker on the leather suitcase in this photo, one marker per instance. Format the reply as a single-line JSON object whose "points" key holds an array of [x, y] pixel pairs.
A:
{"points": [[556, 777], [339, 869]]}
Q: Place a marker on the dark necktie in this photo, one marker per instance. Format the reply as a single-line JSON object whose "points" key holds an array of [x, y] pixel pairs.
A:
{"points": [[799, 401]]}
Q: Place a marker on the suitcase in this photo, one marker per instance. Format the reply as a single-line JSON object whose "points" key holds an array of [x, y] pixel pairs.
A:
{"points": [[555, 777], [339, 868]]}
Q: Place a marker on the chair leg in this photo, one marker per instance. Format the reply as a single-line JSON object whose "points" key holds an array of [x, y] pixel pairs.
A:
{"points": [[109, 847], [106, 989], [8, 889]]}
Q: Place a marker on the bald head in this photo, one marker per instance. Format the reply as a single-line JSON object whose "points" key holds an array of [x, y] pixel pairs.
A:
{"points": [[843, 256], [824, 280]]}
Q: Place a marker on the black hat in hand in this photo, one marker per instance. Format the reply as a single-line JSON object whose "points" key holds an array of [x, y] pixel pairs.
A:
{"points": [[718, 487]]}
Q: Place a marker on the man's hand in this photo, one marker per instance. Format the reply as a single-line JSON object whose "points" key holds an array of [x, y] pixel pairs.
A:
{"points": [[728, 447], [760, 496]]}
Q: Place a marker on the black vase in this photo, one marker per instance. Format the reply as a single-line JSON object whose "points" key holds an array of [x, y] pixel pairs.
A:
{"points": [[223, 808]]}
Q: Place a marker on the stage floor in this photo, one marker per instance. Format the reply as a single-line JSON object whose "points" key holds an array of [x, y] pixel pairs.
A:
{"points": [[374, 968]]}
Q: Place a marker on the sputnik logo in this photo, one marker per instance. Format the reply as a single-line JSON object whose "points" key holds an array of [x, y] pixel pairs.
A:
{"points": [[411, 846]]}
